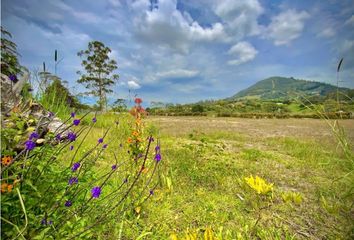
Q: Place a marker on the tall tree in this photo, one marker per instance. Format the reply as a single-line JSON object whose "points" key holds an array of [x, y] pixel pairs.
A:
{"points": [[99, 68]]}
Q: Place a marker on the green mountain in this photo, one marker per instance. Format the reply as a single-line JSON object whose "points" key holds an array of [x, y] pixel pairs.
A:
{"points": [[285, 88]]}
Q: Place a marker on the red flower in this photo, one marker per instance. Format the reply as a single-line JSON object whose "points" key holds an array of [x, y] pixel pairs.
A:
{"points": [[138, 100]]}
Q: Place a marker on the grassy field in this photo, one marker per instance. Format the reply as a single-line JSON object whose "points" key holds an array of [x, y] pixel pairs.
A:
{"points": [[203, 169]]}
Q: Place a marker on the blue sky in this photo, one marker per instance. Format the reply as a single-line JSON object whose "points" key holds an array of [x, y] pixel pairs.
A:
{"points": [[183, 51]]}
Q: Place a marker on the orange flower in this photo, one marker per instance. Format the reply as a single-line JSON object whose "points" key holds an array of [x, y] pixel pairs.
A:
{"points": [[135, 133], [139, 139], [130, 140], [10, 187], [6, 160], [4, 187]]}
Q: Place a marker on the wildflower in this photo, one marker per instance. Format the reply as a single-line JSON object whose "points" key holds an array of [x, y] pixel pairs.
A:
{"points": [[50, 222], [50, 114], [105, 146], [76, 122], [94, 120], [58, 137], [71, 147], [30, 145], [138, 122], [4, 187], [135, 133], [68, 203], [13, 78], [6, 160], [138, 100], [157, 148], [96, 192], [73, 180], [151, 139], [158, 157], [71, 136], [10, 187], [130, 140], [151, 192], [258, 184], [72, 114], [139, 139], [44, 221], [140, 155], [100, 140], [114, 167], [75, 166], [33, 135]]}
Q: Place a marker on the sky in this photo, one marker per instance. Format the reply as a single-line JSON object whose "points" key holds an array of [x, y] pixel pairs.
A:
{"points": [[182, 51]]}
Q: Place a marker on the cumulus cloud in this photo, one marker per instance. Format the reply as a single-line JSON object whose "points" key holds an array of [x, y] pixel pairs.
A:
{"points": [[243, 51], [133, 85], [286, 26], [167, 26], [240, 17]]}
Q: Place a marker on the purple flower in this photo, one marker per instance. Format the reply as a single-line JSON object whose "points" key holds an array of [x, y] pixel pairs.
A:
{"points": [[105, 146], [151, 139], [158, 157], [140, 155], [114, 167], [58, 137], [151, 192], [75, 166], [157, 148], [76, 122], [72, 114], [50, 114], [68, 203], [50, 222], [30, 145], [94, 120], [100, 140], [13, 78], [71, 136], [71, 147], [73, 180], [44, 221], [33, 135], [96, 192]]}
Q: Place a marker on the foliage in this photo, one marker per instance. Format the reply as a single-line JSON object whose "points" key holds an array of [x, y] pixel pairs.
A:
{"points": [[52, 189], [99, 69], [9, 61]]}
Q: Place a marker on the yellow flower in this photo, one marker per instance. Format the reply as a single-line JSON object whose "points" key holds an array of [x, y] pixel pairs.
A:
{"points": [[135, 133], [259, 185], [138, 121], [6, 160]]}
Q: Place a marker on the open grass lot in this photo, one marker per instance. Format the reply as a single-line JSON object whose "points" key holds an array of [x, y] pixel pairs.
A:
{"points": [[205, 161]]}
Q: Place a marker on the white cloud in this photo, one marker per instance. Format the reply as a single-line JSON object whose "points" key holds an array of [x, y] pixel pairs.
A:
{"points": [[178, 73], [133, 85], [167, 26], [327, 33], [286, 26], [350, 21], [244, 52], [240, 16]]}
